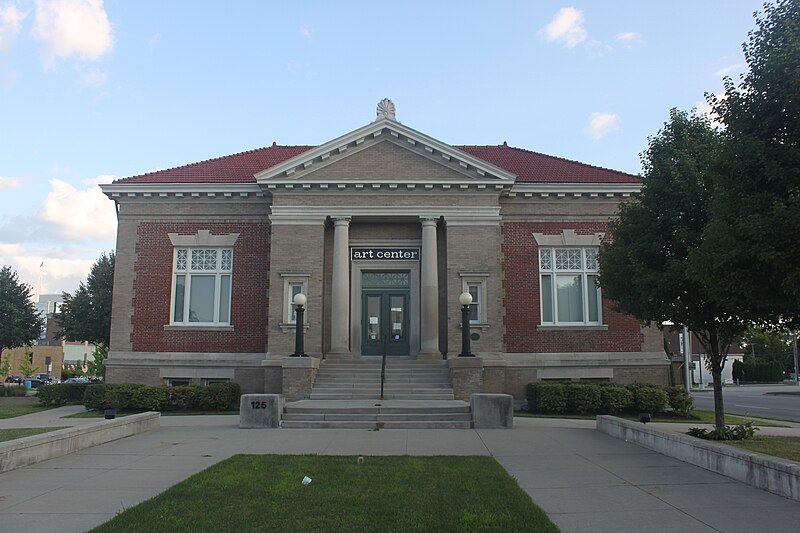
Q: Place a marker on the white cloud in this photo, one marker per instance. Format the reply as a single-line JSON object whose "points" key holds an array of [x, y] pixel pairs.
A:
{"points": [[99, 180], [153, 42], [94, 76], [10, 22], [79, 215], [306, 31], [628, 38], [67, 28], [566, 27], [48, 270], [724, 71], [601, 124], [9, 183]]}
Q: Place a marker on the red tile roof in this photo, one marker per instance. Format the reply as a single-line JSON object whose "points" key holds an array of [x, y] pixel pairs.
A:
{"points": [[530, 167]]}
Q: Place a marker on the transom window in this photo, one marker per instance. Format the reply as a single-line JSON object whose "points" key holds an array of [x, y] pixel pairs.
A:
{"points": [[570, 294], [201, 286]]}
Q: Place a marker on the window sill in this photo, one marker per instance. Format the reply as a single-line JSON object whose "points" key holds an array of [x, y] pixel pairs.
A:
{"points": [[286, 326], [199, 327], [577, 327], [483, 326]]}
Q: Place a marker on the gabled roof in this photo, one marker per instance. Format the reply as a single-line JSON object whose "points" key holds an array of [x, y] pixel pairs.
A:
{"points": [[527, 166]]}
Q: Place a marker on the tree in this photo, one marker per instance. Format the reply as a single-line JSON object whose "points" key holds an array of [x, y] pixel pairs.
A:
{"points": [[646, 269], [86, 315], [26, 367], [751, 247], [766, 346], [5, 367], [20, 323]]}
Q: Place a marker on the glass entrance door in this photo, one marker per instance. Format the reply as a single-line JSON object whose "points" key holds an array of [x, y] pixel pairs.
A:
{"points": [[384, 322]]}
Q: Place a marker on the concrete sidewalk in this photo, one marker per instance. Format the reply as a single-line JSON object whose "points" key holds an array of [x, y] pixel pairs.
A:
{"points": [[585, 480]]}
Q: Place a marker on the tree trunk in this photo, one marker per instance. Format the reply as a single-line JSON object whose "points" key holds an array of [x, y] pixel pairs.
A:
{"points": [[716, 374]]}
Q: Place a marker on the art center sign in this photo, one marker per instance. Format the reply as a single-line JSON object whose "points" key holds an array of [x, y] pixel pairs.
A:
{"points": [[384, 254]]}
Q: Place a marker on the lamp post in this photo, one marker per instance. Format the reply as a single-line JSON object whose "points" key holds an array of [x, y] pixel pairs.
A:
{"points": [[465, 299], [299, 301]]}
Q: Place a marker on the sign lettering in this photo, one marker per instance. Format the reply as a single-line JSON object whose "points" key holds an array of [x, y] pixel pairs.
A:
{"points": [[384, 254]]}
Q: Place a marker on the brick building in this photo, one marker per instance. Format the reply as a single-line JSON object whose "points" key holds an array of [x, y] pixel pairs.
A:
{"points": [[382, 229]]}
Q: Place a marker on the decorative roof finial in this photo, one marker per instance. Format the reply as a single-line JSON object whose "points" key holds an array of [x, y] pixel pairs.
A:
{"points": [[386, 109]]}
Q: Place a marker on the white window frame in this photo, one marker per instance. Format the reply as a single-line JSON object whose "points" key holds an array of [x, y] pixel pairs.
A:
{"points": [[587, 270], [185, 269], [290, 280], [479, 281]]}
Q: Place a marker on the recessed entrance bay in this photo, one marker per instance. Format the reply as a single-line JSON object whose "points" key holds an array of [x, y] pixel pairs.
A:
{"points": [[384, 321]]}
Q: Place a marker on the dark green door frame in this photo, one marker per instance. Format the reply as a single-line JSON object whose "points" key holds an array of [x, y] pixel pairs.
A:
{"points": [[384, 314]]}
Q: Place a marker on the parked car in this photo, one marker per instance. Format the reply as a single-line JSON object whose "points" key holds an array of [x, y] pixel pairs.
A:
{"points": [[14, 379], [79, 379], [46, 379]]}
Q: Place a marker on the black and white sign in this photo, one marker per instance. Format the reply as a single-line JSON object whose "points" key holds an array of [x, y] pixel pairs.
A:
{"points": [[384, 254]]}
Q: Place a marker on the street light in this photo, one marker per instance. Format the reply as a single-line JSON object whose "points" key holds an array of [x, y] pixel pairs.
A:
{"points": [[465, 299], [299, 301]]}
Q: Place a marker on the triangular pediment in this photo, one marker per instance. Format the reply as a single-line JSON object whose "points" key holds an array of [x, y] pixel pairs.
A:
{"points": [[385, 151]]}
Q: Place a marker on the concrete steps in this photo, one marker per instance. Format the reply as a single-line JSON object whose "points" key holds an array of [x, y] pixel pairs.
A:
{"points": [[346, 394], [375, 415], [361, 379]]}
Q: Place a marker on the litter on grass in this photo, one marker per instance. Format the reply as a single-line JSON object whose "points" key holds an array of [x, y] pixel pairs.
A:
{"points": [[306, 480]]}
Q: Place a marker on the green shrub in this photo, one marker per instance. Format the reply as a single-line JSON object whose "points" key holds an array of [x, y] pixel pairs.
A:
{"points": [[739, 432], [150, 398], [183, 397], [61, 393], [583, 398], [137, 397], [615, 399], [753, 370], [94, 397], [648, 398], [15, 391], [680, 400], [547, 397]]}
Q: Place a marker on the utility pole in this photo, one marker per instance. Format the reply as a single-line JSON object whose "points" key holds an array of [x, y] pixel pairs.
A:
{"points": [[794, 349], [687, 358]]}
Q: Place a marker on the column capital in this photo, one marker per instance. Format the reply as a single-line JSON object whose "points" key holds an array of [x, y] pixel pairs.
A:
{"points": [[341, 220], [428, 220]]}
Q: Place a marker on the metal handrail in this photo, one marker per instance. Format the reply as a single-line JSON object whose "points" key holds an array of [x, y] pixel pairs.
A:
{"points": [[383, 366]]}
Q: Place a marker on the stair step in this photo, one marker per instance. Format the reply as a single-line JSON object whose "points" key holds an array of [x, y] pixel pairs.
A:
{"points": [[367, 396], [343, 424], [379, 417]]}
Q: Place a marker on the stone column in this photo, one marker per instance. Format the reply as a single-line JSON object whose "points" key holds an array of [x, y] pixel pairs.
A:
{"points": [[429, 294], [340, 292]]}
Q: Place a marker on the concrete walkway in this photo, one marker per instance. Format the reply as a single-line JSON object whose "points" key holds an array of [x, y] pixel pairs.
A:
{"points": [[585, 480]]}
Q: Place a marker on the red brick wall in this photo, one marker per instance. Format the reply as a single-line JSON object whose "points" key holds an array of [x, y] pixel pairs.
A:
{"points": [[153, 290], [521, 298]]}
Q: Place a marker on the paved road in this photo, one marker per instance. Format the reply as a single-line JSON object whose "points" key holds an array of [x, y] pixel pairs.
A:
{"points": [[754, 400]]}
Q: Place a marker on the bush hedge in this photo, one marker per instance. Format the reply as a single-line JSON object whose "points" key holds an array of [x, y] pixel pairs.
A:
{"points": [[17, 391], [606, 398], [754, 370], [135, 397], [61, 393]]}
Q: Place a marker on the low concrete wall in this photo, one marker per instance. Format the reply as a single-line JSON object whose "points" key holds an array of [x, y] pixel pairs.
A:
{"points": [[777, 476], [37, 448], [492, 410]]}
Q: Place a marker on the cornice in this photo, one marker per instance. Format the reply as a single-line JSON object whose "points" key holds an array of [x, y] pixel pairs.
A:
{"points": [[453, 215], [120, 191], [573, 190]]}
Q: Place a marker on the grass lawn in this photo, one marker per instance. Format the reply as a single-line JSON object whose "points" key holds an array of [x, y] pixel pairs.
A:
{"points": [[784, 447], [18, 433], [698, 416], [14, 410], [385, 494]]}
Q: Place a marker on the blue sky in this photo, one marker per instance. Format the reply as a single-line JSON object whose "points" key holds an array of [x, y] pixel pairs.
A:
{"points": [[93, 90]]}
